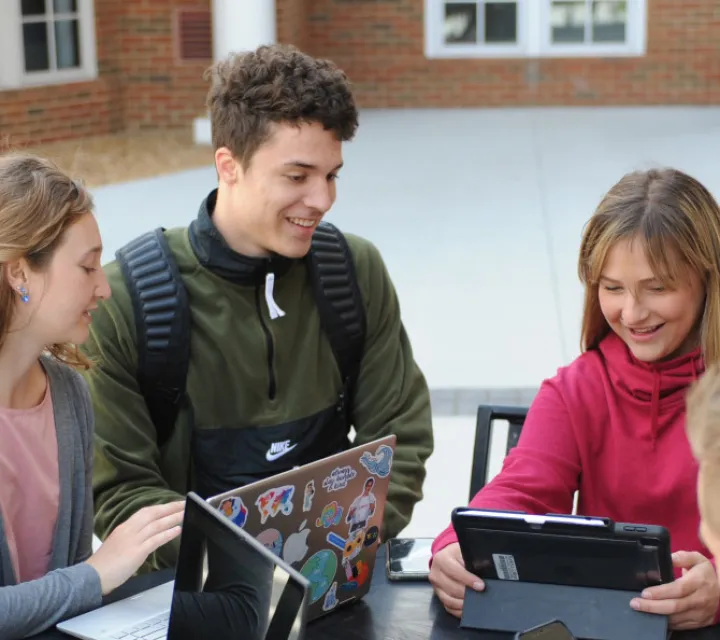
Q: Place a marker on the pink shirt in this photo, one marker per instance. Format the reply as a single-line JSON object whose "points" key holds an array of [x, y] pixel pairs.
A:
{"points": [[29, 486]]}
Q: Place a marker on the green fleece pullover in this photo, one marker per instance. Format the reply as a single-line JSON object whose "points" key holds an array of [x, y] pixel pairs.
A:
{"points": [[229, 379]]}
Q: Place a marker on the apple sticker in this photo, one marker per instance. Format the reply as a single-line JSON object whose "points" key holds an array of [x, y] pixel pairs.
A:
{"points": [[296, 546]]}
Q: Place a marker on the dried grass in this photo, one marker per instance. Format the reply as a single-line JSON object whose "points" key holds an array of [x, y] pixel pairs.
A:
{"points": [[126, 156]]}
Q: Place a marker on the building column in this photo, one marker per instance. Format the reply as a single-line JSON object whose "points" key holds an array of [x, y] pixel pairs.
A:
{"points": [[238, 25]]}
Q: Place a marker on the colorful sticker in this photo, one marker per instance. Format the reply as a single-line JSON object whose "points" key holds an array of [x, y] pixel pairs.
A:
{"points": [[339, 478], [353, 547], [330, 516], [272, 540], [371, 536], [357, 569], [234, 509], [358, 576], [350, 548], [309, 495], [331, 600], [296, 547], [275, 501], [380, 463], [362, 508], [336, 541], [320, 572]]}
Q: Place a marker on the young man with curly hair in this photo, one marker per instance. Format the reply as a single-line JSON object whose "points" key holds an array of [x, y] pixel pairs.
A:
{"points": [[267, 386]]}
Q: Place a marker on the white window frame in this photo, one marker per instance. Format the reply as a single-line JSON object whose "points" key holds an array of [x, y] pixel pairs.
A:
{"points": [[534, 32], [12, 52]]}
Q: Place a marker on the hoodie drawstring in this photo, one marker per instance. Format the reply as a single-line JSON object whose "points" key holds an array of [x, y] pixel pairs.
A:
{"points": [[273, 309]]}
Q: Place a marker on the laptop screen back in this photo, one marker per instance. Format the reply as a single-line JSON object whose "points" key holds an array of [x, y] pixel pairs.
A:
{"points": [[227, 585]]}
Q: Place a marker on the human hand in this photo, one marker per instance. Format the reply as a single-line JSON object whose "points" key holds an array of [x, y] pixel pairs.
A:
{"points": [[449, 577], [128, 546], [692, 600]]}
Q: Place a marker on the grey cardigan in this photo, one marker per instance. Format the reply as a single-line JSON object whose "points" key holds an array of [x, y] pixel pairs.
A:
{"points": [[71, 586]]}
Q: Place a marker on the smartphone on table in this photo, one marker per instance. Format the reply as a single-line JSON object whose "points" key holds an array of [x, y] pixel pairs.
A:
{"points": [[408, 558], [553, 630]]}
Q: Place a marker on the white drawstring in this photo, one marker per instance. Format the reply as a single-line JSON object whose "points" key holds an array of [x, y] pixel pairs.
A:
{"points": [[275, 311]]}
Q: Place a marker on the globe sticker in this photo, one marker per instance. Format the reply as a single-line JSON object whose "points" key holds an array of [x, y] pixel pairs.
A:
{"points": [[320, 572]]}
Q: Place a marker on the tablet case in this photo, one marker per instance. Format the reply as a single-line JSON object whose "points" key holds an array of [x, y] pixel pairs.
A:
{"points": [[539, 568], [589, 613]]}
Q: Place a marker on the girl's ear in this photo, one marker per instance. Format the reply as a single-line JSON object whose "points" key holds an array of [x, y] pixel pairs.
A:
{"points": [[16, 273]]}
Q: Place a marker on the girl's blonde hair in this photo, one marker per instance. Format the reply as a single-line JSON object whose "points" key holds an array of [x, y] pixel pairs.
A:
{"points": [[678, 221], [38, 202]]}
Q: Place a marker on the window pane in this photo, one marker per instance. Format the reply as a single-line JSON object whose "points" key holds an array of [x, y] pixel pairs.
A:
{"points": [[65, 6], [32, 7], [501, 22], [568, 20], [609, 21], [67, 44], [35, 41], [460, 22]]}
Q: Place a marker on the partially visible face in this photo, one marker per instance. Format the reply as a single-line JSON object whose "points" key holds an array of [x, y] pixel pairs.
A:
{"points": [[654, 321], [275, 205], [63, 295], [710, 538]]}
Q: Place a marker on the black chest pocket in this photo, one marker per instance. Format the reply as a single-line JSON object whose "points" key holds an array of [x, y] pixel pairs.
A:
{"points": [[228, 457]]}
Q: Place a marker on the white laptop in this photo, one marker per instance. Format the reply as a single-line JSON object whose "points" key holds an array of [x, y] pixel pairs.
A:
{"points": [[221, 570]]}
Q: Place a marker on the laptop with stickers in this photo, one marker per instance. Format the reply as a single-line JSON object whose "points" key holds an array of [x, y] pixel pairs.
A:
{"points": [[322, 518]]}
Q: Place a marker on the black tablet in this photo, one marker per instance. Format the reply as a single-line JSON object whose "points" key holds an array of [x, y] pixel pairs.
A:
{"points": [[563, 549]]}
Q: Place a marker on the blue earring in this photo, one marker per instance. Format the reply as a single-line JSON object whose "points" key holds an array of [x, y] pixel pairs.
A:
{"points": [[24, 294]]}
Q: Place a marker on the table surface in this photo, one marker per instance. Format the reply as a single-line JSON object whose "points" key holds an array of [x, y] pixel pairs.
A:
{"points": [[390, 611]]}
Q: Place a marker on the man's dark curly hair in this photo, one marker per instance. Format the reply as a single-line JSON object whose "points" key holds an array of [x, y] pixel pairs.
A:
{"points": [[276, 83]]}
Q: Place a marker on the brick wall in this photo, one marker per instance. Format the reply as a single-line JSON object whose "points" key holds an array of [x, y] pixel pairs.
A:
{"points": [[141, 83], [292, 22], [380, 45], [75, 110], [55, 113], [158, 90]]}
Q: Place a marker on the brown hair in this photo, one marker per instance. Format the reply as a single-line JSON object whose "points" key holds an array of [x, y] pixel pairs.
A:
{"points": [[275, 84], [678, 221], [703, 430], [38, 203]]}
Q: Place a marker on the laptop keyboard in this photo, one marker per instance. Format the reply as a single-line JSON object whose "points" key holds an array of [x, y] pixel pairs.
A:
{"points": [[152, 629]]}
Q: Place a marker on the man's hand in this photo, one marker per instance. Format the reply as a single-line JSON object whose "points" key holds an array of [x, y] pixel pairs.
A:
{"points": [[692, 600]]}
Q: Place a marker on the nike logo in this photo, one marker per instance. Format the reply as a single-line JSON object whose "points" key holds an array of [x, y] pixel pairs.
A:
{"points": [[278, 450]]}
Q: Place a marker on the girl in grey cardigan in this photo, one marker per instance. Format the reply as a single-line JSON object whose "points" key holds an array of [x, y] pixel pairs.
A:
{"points": [[50, 281]]}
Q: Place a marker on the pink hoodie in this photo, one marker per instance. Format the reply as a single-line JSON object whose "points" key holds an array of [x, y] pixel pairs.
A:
{"points": [[614, 428]]}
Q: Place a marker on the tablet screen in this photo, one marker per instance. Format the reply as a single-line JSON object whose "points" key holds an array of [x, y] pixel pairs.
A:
{"points": [[580, 521]]}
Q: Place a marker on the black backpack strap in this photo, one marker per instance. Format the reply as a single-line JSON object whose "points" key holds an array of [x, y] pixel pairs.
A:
{"points": [[339, 301], [162, 321]]}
